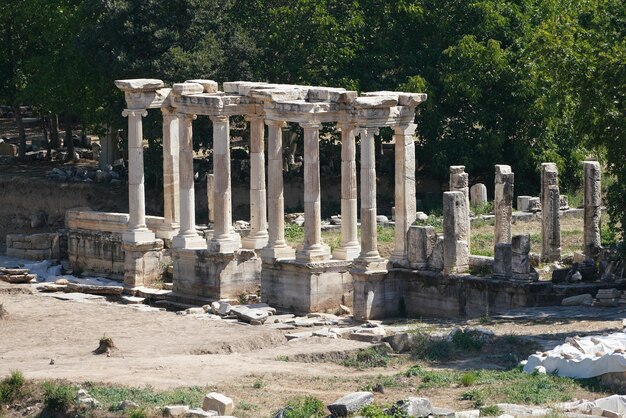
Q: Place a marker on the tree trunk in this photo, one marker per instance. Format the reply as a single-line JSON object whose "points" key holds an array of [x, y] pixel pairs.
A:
{"points": [[69, 143], [17, 114], [55, 143], [44, 128]]}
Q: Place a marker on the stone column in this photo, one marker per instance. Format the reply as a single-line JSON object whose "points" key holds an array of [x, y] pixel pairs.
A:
{"points": [[592, 207], [459, 182], [405, 202], [550, 204], [137, 230], [520, 259], [350, 247], [210, 192], [187, 237], [171, 193], [276, 248], [369, 258], [313, 248], [224, 239], [455, 248], [258, 236], [503, 203]]}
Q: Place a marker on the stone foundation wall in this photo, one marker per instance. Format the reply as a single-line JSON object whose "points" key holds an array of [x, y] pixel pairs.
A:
{"points": [[300, 288], [34, 247], [202, 274], [95, 241]]}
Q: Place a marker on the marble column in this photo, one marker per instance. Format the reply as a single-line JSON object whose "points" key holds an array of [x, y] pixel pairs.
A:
{"points": [[503, 203], [224, 239], [369, 259], [592, 207], [550, 204], [187, 237], [171, 184], [277, 247], [455, 247], [459, 182], [258, 236], [137, 230], [313, 248], [406, 209], [350, 247]]}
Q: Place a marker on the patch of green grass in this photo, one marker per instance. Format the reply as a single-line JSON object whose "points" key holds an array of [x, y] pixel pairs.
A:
{"points": [[246, 406], [378, 411], [385, 234], [482, 244], [467, 340], [468, 379], [431, 349], [258, 383], [138, 413], [111, 396], [434, 221], [477, 396], [282, 358], [367, 358], [305, 407], [389, 381], [12, 387], [294, 233], [484, 208], [490, 411], [58, 397]]}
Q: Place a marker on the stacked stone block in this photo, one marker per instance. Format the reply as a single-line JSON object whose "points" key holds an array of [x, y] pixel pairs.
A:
{"points": [[34, 247]]}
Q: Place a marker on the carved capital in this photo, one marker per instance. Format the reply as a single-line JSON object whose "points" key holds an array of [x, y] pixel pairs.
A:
{"points": [[310, 125], [219, 118], [135, 113], [187, 116], [253, 118], [369, 131], [405, 129], [275, 123]]}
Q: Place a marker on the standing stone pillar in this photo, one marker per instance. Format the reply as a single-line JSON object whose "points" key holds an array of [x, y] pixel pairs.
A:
{"points": [[276, 248], [187, 237], [224, 239], [459, 182], [210, 192], [369, 259], [137, 229], [171, 193], [592, 207], [258, 236], [455, 247], [350, 247], [550, 204], [503, 203], [313, 249], [478, 194], [520, 258], [406, 209]]}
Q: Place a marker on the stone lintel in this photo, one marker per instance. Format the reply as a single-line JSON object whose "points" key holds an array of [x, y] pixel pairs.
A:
{"points": [[369, 266], [139, 85], [182, 89], [317, 266], [278, 94], [376, 102]]}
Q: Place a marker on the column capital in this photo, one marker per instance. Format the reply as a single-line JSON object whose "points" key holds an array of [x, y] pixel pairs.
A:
{"points": [[275, 123], [168, 111], [190, 116], [218, 118], [369, 130], [252, 118], [405, 129], [346, 125], [135, 112], [310, 125]]}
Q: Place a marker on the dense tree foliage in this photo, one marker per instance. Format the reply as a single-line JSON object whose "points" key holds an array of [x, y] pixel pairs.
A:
{"points": [[509, 81]]}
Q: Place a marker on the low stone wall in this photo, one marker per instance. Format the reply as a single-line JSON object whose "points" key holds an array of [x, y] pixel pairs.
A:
{"points": [[616, 381], [95, 241], [202, 275], [34, 247], [301, 288]]}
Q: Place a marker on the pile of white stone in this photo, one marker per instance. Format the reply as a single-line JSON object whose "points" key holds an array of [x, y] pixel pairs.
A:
{"points": [[214, 405]]}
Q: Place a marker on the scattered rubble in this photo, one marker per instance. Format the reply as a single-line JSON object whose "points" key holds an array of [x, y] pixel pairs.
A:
{"points": [[218, 402], [350, 403]]}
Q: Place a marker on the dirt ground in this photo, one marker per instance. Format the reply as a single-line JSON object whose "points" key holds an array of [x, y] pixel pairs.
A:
{"points": [[166, 350]]}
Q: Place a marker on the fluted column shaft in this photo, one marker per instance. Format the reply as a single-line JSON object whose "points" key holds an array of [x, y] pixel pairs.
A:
{"points": [[276, 248], [171, 184], [258, 195], [137, 229], [369, 235], [350, 247], [187, 237], [404, 191]]}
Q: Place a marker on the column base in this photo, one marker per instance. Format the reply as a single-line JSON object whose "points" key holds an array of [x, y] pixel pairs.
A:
{"points": [[188, 242], [224, 245], [142, 263], [138, 235], [314, 255], [367, 265], [400, 260], [167, 232], [278, 253], [347, 253], [255, 242]]}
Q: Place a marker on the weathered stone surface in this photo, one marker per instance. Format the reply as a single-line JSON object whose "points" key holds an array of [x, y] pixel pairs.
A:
{"points": [[94, 289], [246, 314], [472, 413], [218, 402], [503, 203], [200, 413], [523, 203], [175, 411], [520, 257], [350, 403], [140, 84], [455, 233], [550, 221], [18, 278], [502, 261], [478, 194], [441, 412], [209, 86], [412, 407], [585, 300], [592, 207], [421, 243]]}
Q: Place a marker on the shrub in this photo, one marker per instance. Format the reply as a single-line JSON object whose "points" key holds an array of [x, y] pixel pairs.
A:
{"points": [[431, 349], [306, 407], [468, 379], [138, 413], [12, 387], [490, 411], [57, 397], [467, 340], [369, 357]]}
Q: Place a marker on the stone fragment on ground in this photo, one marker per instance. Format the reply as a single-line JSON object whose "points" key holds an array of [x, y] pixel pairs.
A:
{"points": [[350, 403], [371, 335], [175, 411], [411, 407], [94, 289], [441, 412], [127, 404], [200, 413], [221, 403], [471, 413], [584, 299], [83, 398], [17, 278], [522, 411], [247, 314]]}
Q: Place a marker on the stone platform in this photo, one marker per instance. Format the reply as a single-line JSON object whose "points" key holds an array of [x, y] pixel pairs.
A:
{"points": [[294, 286]]}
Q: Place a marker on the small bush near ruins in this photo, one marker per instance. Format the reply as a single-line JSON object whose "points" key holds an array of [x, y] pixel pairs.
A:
{"points": [[57, 397], [305, 407], [12, 387], [367, 358], [490, 411]]}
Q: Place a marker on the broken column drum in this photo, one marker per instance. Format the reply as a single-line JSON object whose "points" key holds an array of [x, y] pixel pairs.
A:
{"points": [[459, 182], [455, 246]]}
